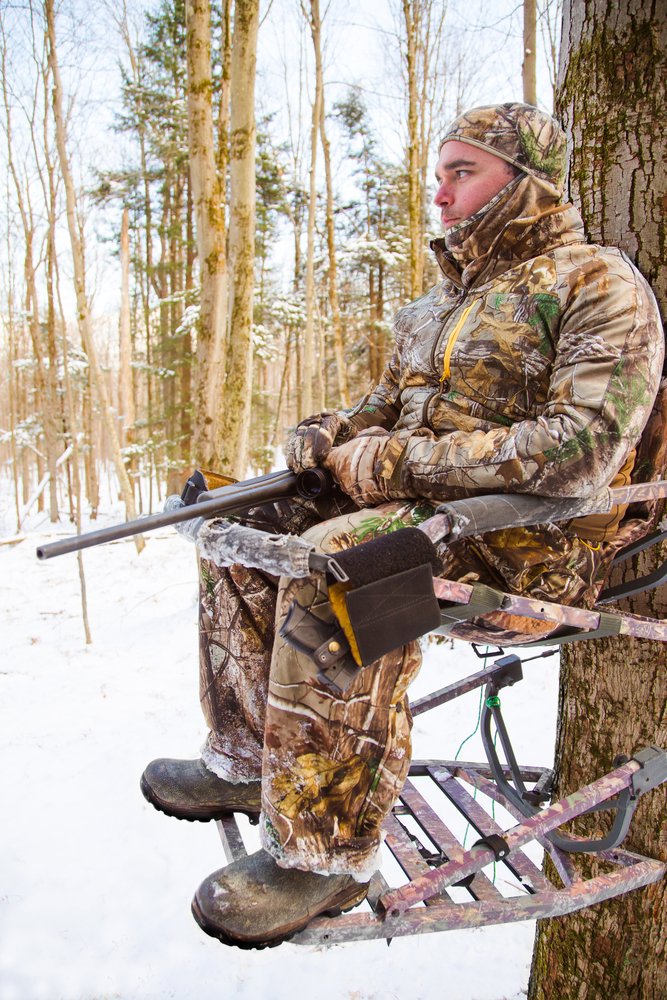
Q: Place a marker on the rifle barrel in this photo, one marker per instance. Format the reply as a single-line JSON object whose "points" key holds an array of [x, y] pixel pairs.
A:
{"points": [[224, 500]]}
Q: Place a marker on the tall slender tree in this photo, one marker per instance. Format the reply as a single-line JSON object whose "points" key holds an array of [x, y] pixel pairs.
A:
{"points": [[79, 271], [235, 417], [209, 204]]}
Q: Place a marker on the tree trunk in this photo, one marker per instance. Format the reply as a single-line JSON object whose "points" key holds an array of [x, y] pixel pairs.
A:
{"points": [[613, 694], [308, 372], [209, 201], [529, 67], [45, 377], [235, 419], [339, 349], [412, 15], [79, 274], [126, 396]]}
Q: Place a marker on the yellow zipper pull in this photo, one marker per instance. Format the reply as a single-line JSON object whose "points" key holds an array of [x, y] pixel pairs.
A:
{"points": [[446, 370]]}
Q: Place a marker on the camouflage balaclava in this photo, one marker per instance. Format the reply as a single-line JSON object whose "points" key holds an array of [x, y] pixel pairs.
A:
{"points": [[528, 139]]}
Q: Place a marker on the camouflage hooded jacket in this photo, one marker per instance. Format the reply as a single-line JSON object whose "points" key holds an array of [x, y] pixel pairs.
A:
{"points": [[531, 370]]}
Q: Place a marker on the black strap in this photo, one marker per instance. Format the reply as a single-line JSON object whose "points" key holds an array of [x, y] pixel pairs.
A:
{"points": [[495, 843]]}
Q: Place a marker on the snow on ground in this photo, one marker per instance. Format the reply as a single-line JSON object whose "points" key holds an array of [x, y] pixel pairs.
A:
{"points": [[96, 885]]}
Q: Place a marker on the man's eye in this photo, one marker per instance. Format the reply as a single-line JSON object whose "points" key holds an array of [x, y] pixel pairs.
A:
{"points": [[461, 174]]}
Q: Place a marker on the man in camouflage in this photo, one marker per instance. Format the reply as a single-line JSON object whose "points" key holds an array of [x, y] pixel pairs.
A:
{"points": [[531, 367]]}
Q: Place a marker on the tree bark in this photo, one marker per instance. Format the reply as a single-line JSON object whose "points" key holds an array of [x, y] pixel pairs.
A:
{"points": [[79, 274], [235, 419], [209, 202], [613, 692]]}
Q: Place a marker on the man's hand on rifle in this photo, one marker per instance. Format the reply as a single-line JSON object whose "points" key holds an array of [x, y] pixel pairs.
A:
{"points": [[188, 529], [314, 438]]}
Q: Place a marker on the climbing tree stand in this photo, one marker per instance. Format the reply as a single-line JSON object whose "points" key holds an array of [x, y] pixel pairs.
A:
{"points": [[441, 883], [445, 886]]}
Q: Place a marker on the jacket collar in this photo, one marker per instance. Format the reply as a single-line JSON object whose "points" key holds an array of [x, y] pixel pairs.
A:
{"points": [[519, 240]]}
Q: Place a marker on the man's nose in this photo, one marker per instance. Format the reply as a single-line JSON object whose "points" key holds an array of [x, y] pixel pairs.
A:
{"points": [[442, 195]]}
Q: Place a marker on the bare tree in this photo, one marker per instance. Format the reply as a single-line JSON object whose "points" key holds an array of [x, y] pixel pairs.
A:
{"points": [[209, 205], [126, 394], [308, 398], [79, 271], [45, 361], [235, 419], [529, 67], [343, 394], [423, 24]]}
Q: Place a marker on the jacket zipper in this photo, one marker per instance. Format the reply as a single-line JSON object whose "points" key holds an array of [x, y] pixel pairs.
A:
{"points": [[451, 341]]}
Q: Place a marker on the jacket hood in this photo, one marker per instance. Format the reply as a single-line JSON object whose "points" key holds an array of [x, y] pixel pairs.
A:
{"points": [[531, 141], [519, 134]]}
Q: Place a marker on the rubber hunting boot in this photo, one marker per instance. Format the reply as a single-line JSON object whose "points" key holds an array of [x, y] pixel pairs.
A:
{"points": [[186, 789], [253, 903]]}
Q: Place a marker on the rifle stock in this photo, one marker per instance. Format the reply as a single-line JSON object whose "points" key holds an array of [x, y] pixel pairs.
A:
{"points": [[230, 499]]}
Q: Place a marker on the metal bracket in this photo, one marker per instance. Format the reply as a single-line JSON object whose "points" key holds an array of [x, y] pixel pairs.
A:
{"points": [[653, 770]]}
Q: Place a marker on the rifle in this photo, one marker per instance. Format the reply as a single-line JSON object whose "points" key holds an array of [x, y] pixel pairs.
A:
{"points": [[231, 499]]}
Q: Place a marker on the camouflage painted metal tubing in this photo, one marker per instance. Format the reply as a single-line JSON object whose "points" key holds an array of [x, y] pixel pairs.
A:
{"points": [[559, 614], [443, 917], [477, 515], [468, 862], [481, 886], [523, 869]]}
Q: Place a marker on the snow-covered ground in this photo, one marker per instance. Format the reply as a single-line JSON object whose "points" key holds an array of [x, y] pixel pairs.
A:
{"points": [[96, 885]]}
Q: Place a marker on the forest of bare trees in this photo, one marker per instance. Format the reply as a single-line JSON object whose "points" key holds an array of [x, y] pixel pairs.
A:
{"points": [[211, 212], [220, 252]]}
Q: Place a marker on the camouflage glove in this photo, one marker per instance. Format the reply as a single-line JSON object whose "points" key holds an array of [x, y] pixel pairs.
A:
{"points": [[314, 438], [353, 467], [187, 529]]}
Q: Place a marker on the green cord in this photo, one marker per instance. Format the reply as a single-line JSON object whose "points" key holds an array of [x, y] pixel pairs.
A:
{"points": [[492, 702]]}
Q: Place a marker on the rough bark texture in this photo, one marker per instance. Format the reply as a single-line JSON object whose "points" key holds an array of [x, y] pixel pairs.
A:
{"points": [[235, 418], [209, 203], [613, 695]]}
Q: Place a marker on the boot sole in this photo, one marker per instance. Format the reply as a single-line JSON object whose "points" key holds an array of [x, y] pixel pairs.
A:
{"points": [[248, 944], [194, 815]]}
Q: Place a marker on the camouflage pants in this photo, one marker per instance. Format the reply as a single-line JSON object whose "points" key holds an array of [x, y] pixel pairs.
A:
{"points": [[333, 763]]}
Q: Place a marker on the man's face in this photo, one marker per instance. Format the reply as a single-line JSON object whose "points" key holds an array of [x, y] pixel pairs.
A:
{"points": [[468, 178]]}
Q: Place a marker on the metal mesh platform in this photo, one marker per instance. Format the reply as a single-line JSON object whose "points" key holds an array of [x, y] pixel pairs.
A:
{"points": [[435, 876]]}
